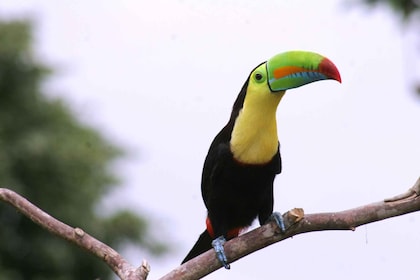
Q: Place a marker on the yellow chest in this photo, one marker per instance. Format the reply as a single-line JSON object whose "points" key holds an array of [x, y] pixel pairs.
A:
{"points": [[254, 138]]}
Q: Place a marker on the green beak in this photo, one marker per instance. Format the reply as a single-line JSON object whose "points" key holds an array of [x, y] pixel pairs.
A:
{"points": [[297, 68]]}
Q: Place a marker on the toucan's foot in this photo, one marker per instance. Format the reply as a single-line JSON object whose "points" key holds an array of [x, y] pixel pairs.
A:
{"points": [[278, 217], [220, 251]]}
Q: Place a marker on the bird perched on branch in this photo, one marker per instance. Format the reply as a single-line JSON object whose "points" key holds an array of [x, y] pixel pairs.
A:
{"points": [[244, 157]]}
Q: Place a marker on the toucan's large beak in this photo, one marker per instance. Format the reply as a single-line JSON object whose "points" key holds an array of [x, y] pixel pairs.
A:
{"points": [[297, 68]]}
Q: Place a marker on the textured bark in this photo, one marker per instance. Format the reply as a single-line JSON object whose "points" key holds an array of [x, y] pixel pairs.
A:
{"points": [[295, 220], [296, 223], [112, 258]]}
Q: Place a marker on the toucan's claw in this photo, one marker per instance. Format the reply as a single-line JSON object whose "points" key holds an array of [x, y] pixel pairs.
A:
{"points": [[278, 217], [220, 251]]}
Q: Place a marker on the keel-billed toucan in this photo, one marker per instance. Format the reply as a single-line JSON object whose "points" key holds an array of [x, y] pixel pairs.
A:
{"points": [[244, 158]]}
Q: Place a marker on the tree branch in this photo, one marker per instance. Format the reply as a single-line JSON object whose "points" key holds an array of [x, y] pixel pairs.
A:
{"points": [[115, 261], [295, 220], [296, 223]]}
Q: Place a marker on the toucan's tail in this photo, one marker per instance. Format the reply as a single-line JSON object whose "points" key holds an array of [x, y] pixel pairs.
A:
{"points": [[202, 245]]}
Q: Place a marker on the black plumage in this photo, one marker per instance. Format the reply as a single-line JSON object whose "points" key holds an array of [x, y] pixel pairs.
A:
{"points": [[234, 193]]}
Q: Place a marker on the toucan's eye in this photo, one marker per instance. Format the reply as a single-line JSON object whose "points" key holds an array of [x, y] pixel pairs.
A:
{"points": [[259, 77]]}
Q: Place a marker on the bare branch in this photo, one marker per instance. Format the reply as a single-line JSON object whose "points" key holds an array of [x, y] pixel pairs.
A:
{"points": [[297, 223], [295, 220], [115, 261]]}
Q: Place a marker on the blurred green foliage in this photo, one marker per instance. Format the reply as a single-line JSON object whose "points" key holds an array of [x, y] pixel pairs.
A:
{"points": [[404, 8], [58, 163]]}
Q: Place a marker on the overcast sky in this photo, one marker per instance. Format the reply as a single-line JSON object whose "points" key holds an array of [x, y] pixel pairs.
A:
{"points": [[160, 78]]}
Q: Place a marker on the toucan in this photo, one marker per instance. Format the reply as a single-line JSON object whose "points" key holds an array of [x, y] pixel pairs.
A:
{"points": [[244, 157]]}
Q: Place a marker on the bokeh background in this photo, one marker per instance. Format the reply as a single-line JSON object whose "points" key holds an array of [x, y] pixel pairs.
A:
{"points": [[158, 79]]}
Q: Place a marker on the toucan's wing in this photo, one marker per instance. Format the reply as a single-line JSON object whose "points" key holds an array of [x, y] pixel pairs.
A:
{"points": [[213, 171]]}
